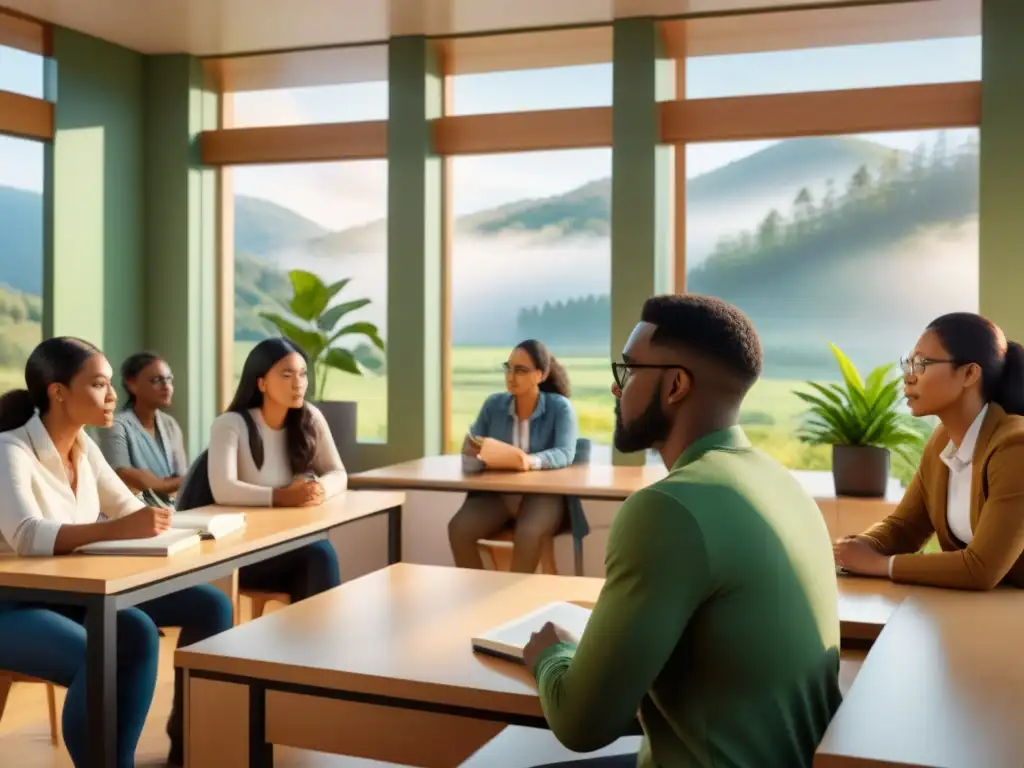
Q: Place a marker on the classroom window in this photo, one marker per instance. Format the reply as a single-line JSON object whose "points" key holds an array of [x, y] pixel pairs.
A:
{"points": [[329, 219], [21, 256], [915, 62], [856, 240], [528, 90], [22, 72], [532, 259]]}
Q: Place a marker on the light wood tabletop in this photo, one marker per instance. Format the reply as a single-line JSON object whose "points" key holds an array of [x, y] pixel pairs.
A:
{"points": [[107, 574], [404, 633], [590, 481], [943, 687], [866, 605]]}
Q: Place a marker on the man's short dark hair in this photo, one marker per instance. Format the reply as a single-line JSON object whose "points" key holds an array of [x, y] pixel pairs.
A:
{"points": [[709, 327]]}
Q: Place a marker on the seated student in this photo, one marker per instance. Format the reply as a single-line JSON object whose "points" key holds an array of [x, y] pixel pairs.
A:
{"points": [[57, 486], [145, 445], [534, 415], [299, 465], [969, 488], [718, 620]]}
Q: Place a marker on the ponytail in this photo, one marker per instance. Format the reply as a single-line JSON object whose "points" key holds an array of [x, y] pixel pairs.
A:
{"points": [[16, 408], [1010, 391], [557, 381]]}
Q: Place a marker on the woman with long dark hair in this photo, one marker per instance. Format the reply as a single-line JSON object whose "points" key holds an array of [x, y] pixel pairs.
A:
{"points": [[57, 486], [145, 445], [273, 449], [533, 415], [969, 488]]}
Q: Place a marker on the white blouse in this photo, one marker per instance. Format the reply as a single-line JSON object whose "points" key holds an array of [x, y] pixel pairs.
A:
{"points": [[41, 500], [234, 478]]}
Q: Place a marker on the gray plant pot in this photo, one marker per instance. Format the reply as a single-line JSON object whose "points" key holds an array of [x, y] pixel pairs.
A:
{"points": [[341, 418], [860, 470]]}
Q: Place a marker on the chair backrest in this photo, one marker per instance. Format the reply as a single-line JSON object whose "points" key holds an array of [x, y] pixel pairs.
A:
{"points": [[583, 446], [195, 489]]}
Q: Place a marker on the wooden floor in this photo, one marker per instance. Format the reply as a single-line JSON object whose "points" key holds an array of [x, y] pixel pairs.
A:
{"points": [[25, 731]]}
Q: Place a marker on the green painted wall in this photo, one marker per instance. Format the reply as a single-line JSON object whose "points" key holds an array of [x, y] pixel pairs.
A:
{"points": [[180, 241], [1001, 234], [94, 234], [414, 252], [641, 179]]}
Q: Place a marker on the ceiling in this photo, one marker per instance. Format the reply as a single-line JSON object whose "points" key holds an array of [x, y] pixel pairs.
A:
{"points": [[219, 27]]}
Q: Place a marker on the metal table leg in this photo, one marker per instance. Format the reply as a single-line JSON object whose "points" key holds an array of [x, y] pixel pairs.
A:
{"points": [[394, 535], [101, 680]]}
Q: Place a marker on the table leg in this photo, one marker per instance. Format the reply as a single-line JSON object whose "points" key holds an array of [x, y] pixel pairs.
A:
{"points": [[394, 535], [261, 754], [101, 680]]}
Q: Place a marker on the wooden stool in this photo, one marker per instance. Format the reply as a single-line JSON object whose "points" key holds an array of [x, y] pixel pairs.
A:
{"points": [[499, 549], [260, 598], [7, 679]]}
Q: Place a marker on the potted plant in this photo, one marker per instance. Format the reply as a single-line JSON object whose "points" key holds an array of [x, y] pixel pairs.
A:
{"points": [[316, 326], [861, 420]]}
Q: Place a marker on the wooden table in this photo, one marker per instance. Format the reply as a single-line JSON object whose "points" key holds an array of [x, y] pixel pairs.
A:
{"points": [[105, 584], [943, 687], [843, 516], [399, 638]]}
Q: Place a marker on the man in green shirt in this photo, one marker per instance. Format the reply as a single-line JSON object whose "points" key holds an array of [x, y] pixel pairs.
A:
{"points": [[718, 622]]}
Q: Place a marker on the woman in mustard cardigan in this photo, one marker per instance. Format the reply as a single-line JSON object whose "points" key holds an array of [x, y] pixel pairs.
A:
{"points": [[969, 488]]}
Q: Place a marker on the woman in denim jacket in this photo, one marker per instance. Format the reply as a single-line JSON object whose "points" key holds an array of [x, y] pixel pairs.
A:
{"points": [[535, 416]]}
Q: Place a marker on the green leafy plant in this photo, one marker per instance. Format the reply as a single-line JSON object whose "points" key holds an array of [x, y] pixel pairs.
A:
{"points": [[862, 412], [314, 326]]}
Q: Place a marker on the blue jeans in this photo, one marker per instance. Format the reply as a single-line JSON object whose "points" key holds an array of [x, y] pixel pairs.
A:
{"points": [[49, 642], [301, 573]]}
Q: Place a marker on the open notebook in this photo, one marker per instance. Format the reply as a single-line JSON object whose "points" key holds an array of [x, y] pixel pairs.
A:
{"points": [[210, 525], [508, 640], [167, 543]]}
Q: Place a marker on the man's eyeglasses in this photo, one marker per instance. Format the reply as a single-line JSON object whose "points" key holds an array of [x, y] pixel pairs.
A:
{"points": [[917, 365], [623, 372], [159, 381]]}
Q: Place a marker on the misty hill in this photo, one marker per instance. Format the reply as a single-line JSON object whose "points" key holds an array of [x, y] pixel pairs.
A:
{"points": [[263, 228], [586, 211], [21, 240]]}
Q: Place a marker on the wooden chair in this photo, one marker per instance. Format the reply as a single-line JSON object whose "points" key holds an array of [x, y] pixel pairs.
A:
{"points": [[260, 599], [8, 679]]}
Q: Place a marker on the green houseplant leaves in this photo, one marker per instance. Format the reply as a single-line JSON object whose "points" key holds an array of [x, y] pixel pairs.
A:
{"points": [[313, 324], [861, 412]]}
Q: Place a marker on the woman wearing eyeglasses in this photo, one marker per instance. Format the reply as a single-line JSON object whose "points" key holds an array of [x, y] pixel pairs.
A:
{"points": [[969, 488], [145, 445], [533, 415]]}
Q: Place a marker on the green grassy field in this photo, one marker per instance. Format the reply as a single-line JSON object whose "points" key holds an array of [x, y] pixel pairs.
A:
{"points": [[769, 417]]}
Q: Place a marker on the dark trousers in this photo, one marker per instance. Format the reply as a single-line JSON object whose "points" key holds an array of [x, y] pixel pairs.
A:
{"points": [[301, 573], [48, 642]]}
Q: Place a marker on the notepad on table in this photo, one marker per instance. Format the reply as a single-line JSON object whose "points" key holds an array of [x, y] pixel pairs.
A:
{"points": [[169, 542], [508, 640], [210, 525]]}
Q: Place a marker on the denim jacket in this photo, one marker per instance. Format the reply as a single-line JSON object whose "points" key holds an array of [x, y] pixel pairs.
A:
{"points": [[552, 427]]}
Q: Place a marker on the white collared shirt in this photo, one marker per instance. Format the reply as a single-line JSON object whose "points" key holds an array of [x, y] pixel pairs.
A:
{"points": [[521, 435], [958, 491], [41, 500]]}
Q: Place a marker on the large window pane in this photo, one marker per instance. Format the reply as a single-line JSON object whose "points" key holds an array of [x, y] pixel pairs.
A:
{"points": [[917, 62], [528, 90], [21, 256], [860, 241], [532, 260], [352, 102], [329, 219]]}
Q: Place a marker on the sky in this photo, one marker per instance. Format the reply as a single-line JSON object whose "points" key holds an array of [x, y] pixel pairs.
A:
{"points": [[338, 195]]}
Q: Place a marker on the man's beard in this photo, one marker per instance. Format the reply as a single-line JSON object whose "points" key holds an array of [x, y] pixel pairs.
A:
{"points": [[650, 427]]}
